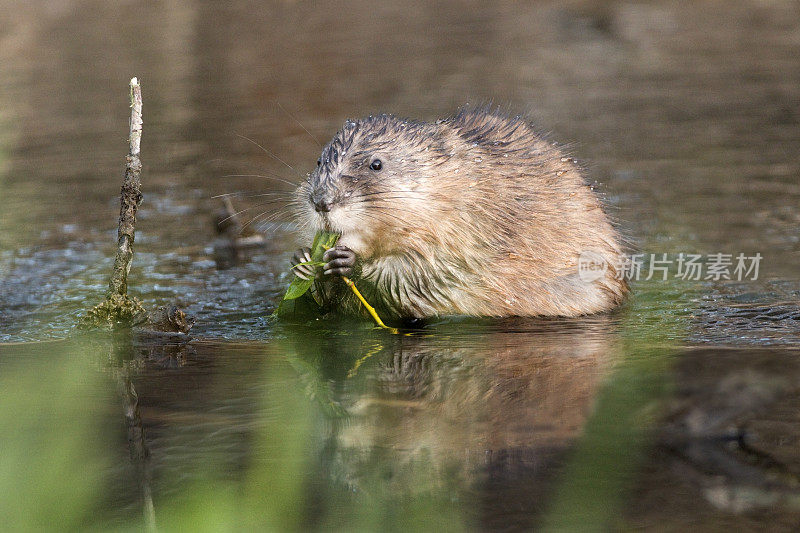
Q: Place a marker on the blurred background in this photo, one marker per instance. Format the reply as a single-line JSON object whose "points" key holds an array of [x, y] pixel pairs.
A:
{"points": [[686, 117]]}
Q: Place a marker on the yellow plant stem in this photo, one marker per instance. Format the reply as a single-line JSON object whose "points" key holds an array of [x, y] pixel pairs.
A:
{"points": [[369, 308]]}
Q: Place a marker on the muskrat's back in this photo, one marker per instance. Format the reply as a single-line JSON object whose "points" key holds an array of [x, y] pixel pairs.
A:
{"points": [[475, 214]]}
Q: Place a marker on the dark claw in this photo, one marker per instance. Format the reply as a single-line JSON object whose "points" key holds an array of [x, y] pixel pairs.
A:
{"points": [[301, 256], [344, 271], [340, 261]]}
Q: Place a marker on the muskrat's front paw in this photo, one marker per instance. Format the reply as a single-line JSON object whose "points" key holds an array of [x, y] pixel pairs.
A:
{"points": [[303, 255], [339, 261]]}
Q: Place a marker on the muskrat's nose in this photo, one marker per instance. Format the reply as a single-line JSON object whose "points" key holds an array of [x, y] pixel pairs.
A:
{"points": [[321, 204], [322, 199]]}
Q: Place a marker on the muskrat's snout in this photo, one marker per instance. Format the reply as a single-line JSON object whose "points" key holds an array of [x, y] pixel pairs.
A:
{"points": [[322, 199], [321, 204]]}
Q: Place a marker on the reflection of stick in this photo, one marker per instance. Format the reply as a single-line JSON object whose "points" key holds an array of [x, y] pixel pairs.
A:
{"points": [[130, 198], [140, 453], [369, 308]]}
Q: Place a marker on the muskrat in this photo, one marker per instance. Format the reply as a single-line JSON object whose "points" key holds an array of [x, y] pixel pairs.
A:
{"points": [[474, 214]]}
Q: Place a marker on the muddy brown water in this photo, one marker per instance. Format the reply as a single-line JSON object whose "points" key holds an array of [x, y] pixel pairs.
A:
{"points": [[686, 116]]}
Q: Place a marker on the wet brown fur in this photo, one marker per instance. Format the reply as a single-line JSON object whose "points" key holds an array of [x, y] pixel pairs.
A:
{"points": [[475, 214]]}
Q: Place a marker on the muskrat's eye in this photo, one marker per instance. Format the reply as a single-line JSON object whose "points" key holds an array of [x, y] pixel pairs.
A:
{"points": [[376, 165], [319, 162]]}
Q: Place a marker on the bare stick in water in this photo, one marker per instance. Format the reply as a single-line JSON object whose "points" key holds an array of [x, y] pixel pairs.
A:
{"points": [[130, 198], [118, 308]]}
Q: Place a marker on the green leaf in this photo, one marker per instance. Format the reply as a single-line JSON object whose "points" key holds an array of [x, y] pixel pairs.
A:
{"points": [[298, 288], [322, 241]]}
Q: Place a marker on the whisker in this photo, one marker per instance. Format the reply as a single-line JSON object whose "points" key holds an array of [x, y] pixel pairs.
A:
{"points": [[298, 123], [391, 194], [271, 154], [371, 217], [276, 178], [269, 218], [391, 215], [380, 199], [254, 219], [248, 195], [393, 206], [247, 209], [390, 211], [375, 193], [357, 200]]}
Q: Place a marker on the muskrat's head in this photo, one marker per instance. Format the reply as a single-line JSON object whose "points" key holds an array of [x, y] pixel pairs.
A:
{"points": [[372, 182]]}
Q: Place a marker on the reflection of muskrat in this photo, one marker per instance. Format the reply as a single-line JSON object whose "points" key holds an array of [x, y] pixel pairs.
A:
{"points": [[474, 215]]}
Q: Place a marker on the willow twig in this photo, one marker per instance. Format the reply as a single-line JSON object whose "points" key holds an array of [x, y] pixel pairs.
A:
{"points": [[369, 308]]}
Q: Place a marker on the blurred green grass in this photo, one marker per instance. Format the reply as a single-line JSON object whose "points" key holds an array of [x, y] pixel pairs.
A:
{"points": [[55, 454], [61, 423], [603, 466]]}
